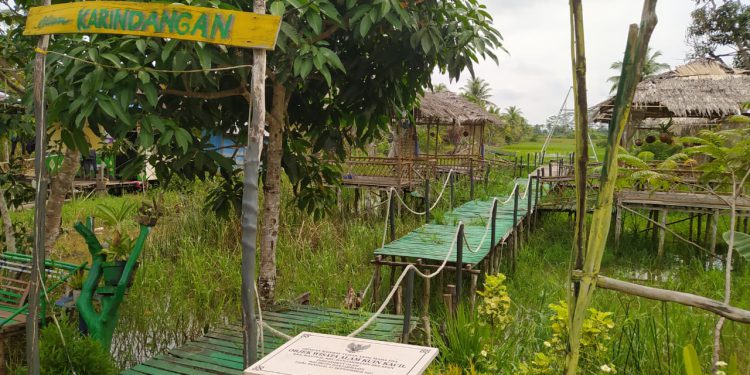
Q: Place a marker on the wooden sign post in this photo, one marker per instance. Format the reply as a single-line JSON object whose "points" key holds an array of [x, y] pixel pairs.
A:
{"points": [[257, 30]]}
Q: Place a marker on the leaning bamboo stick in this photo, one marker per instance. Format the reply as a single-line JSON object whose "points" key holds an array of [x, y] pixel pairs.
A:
{"points": [[583, 288], [687, 299]]}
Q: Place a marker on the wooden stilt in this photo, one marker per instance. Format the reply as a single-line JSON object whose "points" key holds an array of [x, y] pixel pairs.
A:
{"points": [[714, 231], [662, 233], [451, 298], [618, 225], [699, 227], [356, 200], [399, 300], [426, 309], [654, 228], [376, 280], [473, 290], [690, 230]]}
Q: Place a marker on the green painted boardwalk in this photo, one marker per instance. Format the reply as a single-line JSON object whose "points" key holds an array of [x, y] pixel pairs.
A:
{"points": [[433, 241], [220, 350]]}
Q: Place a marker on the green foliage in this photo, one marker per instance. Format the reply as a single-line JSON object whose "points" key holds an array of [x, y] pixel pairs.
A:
{"points": [[741, 243], [645, 156], [595, 338], [65, 351], [464, 342], [494, 306], [118, 218], [660, 150], [651, 67], [693, 365]]}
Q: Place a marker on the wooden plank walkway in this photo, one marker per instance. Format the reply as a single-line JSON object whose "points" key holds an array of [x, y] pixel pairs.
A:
{"points": [[220, 350], [432, 241]]}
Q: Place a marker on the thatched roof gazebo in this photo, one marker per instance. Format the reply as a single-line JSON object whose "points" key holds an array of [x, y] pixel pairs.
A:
{"points": [[703, 88], [448, 108]]}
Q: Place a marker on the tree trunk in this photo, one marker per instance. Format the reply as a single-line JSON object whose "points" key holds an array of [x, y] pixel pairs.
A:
{"points": [[272, 196], [10, 237], [59, 187]]}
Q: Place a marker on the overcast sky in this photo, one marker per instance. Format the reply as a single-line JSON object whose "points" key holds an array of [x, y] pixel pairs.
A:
{"points": [[536, 73]]}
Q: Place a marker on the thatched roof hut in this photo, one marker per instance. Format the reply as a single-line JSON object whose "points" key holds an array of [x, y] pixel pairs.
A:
{"points": [[703, 88], [447, 108]]}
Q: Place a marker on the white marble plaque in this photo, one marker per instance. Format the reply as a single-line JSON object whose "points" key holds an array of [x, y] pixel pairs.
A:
{"points": [[319, 354]]}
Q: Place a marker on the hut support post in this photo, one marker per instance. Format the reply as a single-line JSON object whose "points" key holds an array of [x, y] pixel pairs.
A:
{"points": [[690, 231], [473, 290], [699, 227]]}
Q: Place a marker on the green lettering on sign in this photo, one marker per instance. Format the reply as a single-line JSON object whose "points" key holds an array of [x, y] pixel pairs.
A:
{"points": [[201, 25]]}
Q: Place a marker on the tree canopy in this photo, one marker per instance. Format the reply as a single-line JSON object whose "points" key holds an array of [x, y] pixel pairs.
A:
{"points": [[721, 25]]}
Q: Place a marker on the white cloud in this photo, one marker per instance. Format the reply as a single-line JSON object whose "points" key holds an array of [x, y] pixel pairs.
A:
{"points": [[536, 74]]}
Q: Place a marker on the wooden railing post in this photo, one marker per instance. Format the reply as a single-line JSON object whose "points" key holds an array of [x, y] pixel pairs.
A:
{"points": [[408, 305], [515, 228], [427, 200], [493, 224], [471, 179], [452, 178], [392, 214], [459, 263]]}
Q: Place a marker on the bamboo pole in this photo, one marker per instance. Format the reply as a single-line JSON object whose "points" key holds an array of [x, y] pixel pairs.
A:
{"points": [[714, 231], [635, 54], [662, 232], [426, 308]]}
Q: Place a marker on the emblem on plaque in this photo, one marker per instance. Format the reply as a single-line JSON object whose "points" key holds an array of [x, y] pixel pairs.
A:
{"points": [[356, 348]]}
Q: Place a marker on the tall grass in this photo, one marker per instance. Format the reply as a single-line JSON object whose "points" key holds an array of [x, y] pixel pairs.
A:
{"points": [[190, 275]]}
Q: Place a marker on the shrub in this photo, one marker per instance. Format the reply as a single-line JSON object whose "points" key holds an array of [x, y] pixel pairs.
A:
{"points": [[594, 339], [65, 350], [495, 304]]}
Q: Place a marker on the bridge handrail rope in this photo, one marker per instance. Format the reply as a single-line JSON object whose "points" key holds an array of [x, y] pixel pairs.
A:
{"points": [[366, 324], [391, 294]]}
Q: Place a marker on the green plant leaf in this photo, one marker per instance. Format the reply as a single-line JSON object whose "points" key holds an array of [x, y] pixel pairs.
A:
{"points": [[692, 363], [741, 243]]}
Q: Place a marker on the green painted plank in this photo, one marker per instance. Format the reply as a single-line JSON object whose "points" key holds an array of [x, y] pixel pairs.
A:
{"points": [[162, 363], [203, 366]]}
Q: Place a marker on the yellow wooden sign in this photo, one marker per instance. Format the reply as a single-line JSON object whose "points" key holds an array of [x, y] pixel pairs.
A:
{"points": [[218, 26]]}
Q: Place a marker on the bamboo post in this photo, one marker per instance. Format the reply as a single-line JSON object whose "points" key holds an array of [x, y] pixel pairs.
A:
{"points": [[550, 168], [690, 231], [407, 306], [426, 308], [662, 233], [449, 297], [699, 227], [459, 262], [537, 194]]}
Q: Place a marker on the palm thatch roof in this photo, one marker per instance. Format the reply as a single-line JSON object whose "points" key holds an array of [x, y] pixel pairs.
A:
{"points": [[703, 88], [446, 108], [681, 126]]}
